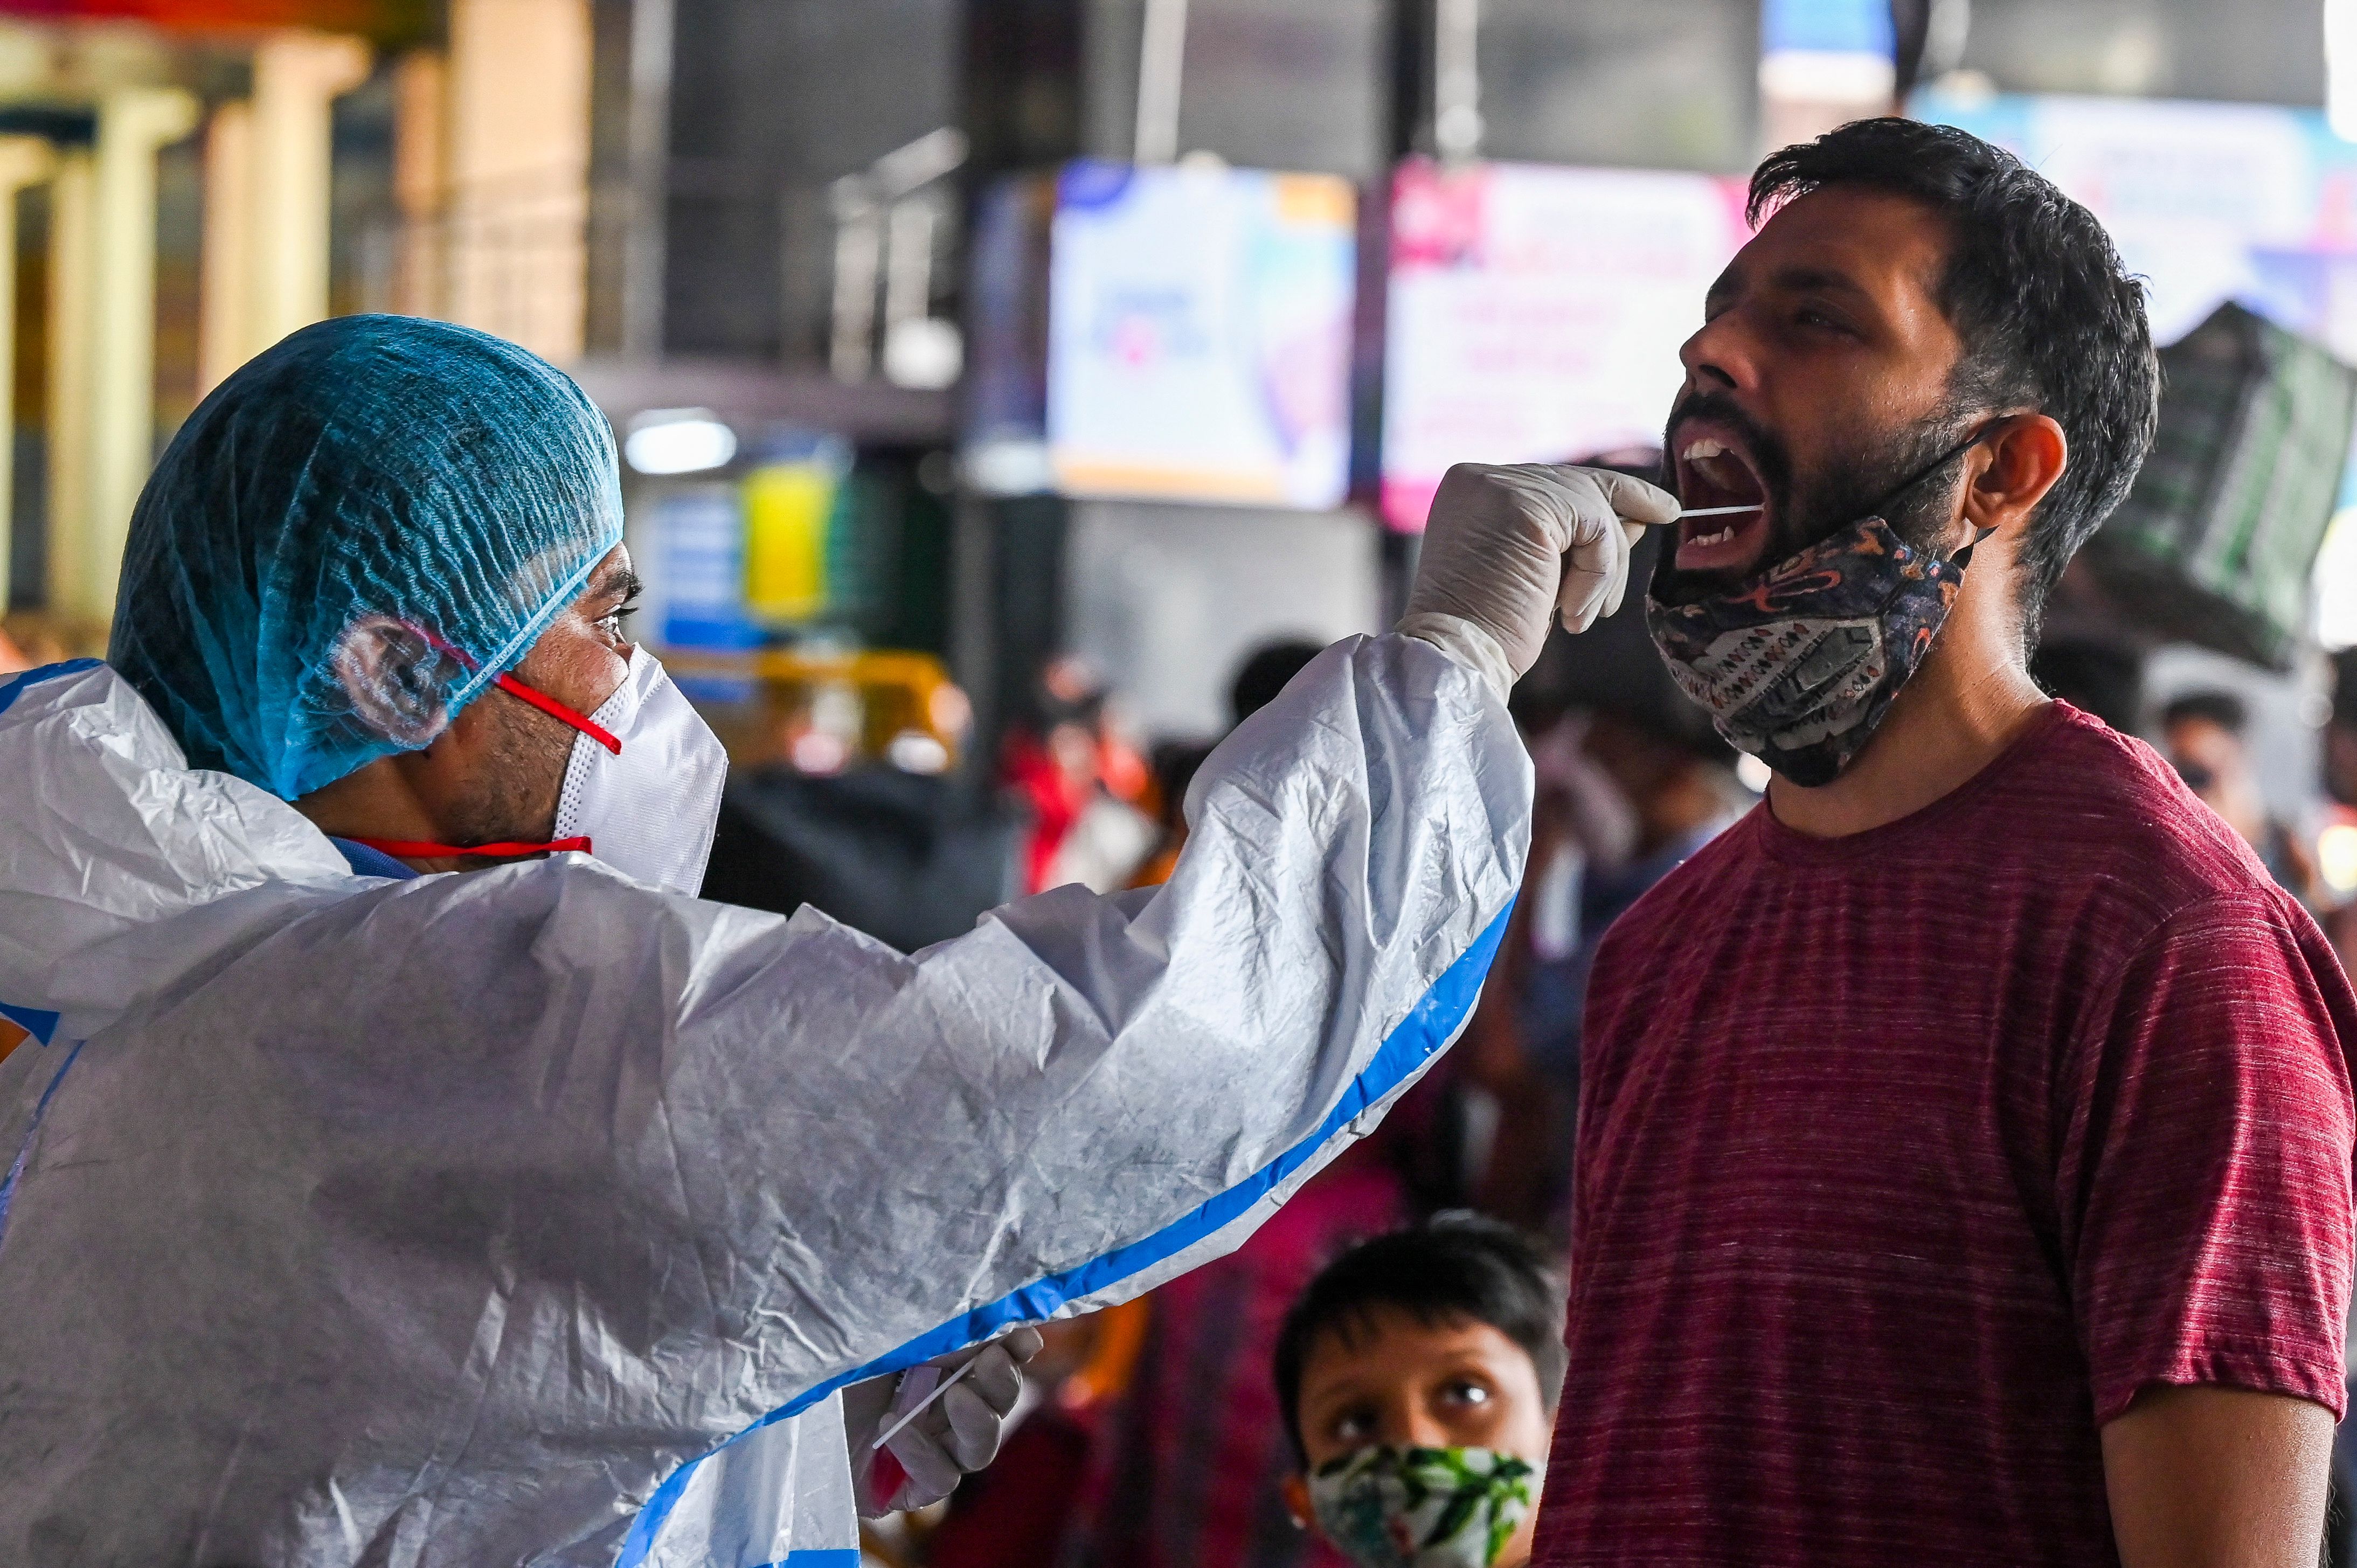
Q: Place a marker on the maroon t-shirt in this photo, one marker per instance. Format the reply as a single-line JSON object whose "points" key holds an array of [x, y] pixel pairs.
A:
{"points": [[1906, 1159]]}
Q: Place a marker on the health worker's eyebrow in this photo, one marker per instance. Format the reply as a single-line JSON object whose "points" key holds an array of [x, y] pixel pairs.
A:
{"points": [[616, 583]]}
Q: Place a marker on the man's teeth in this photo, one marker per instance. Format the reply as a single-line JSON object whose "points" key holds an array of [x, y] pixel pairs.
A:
{"points": [[1721, 537], [1702, 447]]}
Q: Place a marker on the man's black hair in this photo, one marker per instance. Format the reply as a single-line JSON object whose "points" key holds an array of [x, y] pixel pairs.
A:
{"points": [[2225, 709], [1454, 1269], [2033, 286], [1267, 673]]}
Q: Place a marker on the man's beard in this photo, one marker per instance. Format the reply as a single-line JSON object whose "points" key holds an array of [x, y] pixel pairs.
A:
{"points": [[512, 798], [1880, 475]]}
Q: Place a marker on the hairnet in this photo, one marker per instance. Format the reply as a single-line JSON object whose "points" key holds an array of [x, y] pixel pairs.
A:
{"points": [[350, 537]]}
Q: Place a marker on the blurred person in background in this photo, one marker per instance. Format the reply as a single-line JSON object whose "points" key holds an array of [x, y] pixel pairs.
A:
{"points": [[406, 1166], [1626, 793], [1966, 1136], [1418, 1376], [1258, 681], [2339, 769], [2205, 736], [1083, 783], [1188, 1467]]}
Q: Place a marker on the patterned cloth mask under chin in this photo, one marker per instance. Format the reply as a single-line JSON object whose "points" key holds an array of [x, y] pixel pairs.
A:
{"points": [[1421, 1508], [1799, 667]]}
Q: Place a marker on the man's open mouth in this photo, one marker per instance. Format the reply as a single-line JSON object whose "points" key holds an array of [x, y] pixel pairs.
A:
{"points": [[1715, 469]]}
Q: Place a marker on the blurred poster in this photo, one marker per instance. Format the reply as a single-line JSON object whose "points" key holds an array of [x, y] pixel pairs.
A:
{"points": [[1535, 313], [1199, 334], [2252, 202]]}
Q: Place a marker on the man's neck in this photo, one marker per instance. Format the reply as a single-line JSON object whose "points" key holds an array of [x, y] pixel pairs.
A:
{"points": [[1971, 699]]}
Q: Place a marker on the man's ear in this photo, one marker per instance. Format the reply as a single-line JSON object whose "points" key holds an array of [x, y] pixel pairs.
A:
{"points": [[2027, 456], [395, 679], [1296, 1503]]}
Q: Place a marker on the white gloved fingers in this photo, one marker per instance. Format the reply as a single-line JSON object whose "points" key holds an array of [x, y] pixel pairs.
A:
{"points": [[1509, 546], [1630, 533], [1593, 576], [973, 1427], [934, 1471], [996, 1378], [1023, 1344], [1633, 499]]}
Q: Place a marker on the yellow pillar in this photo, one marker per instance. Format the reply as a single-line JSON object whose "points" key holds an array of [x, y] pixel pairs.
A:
{"points": [[226, 267], [71, 246], [134, 123], [519, 169], [297, 78], [24, 160]]}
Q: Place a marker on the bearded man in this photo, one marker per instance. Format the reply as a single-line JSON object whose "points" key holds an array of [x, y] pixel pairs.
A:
{"points": [[1965, 1154]]}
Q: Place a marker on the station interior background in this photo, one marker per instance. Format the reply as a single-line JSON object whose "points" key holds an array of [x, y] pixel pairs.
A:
{"points": [[996, 377]]}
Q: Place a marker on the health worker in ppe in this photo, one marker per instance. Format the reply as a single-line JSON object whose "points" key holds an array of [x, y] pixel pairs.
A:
{"points": [[404, 1168]]}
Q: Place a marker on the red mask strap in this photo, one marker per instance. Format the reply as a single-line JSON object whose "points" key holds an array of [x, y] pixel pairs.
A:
{"points": [[415, 849], [556, 710]]}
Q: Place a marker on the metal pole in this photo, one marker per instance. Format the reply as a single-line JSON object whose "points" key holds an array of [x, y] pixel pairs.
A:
{"points": [[24, 160], [1457, 78], [651, 27], [1161, 64], [858, 253]]}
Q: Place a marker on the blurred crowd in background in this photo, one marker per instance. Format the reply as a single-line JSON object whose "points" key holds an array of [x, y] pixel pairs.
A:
{"points": [[1013, 394]]}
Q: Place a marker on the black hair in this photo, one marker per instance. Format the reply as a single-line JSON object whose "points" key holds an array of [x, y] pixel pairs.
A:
{"points": [[2225, 709], [1271, 668], [1454, 1268], [2049, 317]]}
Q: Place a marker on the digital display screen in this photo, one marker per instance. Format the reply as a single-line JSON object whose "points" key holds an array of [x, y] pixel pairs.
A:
{"points": [[1199, 334], [1535, 313]]}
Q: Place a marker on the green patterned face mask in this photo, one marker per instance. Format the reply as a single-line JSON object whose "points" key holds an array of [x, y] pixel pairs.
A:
{"points": [[1421, 1508]]}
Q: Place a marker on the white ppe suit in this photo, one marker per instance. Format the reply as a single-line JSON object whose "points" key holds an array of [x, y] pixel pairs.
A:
{"points": [[450, 1221]]}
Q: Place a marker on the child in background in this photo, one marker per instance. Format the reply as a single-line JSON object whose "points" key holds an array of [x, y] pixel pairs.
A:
{"points": [[1418, 1376]]}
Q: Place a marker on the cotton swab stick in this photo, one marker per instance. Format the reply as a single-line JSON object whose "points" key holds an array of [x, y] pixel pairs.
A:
{"points": [[1720, 510], [924, 1405]]}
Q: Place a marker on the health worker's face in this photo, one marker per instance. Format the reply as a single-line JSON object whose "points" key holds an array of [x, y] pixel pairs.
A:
{"points": [[502, 760], [1819, 380], [1394, 1379]]}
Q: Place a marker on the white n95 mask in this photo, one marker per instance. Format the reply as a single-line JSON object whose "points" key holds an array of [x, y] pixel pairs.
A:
{"points": [[648, 809]]}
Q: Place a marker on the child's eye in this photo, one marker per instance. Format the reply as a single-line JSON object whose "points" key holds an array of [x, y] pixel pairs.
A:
{"points": [[1465, 1391], [1354, 1425]]}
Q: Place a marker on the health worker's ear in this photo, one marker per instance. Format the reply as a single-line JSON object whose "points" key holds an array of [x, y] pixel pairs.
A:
{"points": [[395, 679], [2026, 456]]}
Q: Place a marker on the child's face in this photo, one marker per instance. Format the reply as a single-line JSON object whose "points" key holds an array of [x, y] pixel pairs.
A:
{"points": [[1392, 1379]]}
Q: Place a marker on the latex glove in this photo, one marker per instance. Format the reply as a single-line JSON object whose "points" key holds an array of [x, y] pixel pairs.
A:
{"points": [[1506, 546], [956, 1436]]}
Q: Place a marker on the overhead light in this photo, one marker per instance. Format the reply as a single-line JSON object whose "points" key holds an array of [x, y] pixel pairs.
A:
{"points": [[678, 441]]}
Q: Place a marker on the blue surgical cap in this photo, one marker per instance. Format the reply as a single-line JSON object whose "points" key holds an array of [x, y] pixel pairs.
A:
{"points": [[378, 504]]}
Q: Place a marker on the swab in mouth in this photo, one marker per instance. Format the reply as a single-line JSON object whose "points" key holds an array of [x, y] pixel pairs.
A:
{"points": [[1721, 510]]}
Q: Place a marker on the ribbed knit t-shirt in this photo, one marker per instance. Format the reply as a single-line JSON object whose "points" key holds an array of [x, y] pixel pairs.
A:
{"points": [[1907, 1158]]}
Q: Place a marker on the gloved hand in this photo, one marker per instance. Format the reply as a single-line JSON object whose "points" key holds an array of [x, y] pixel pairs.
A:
{"points": [[1507, 546], [956, 1436]]}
